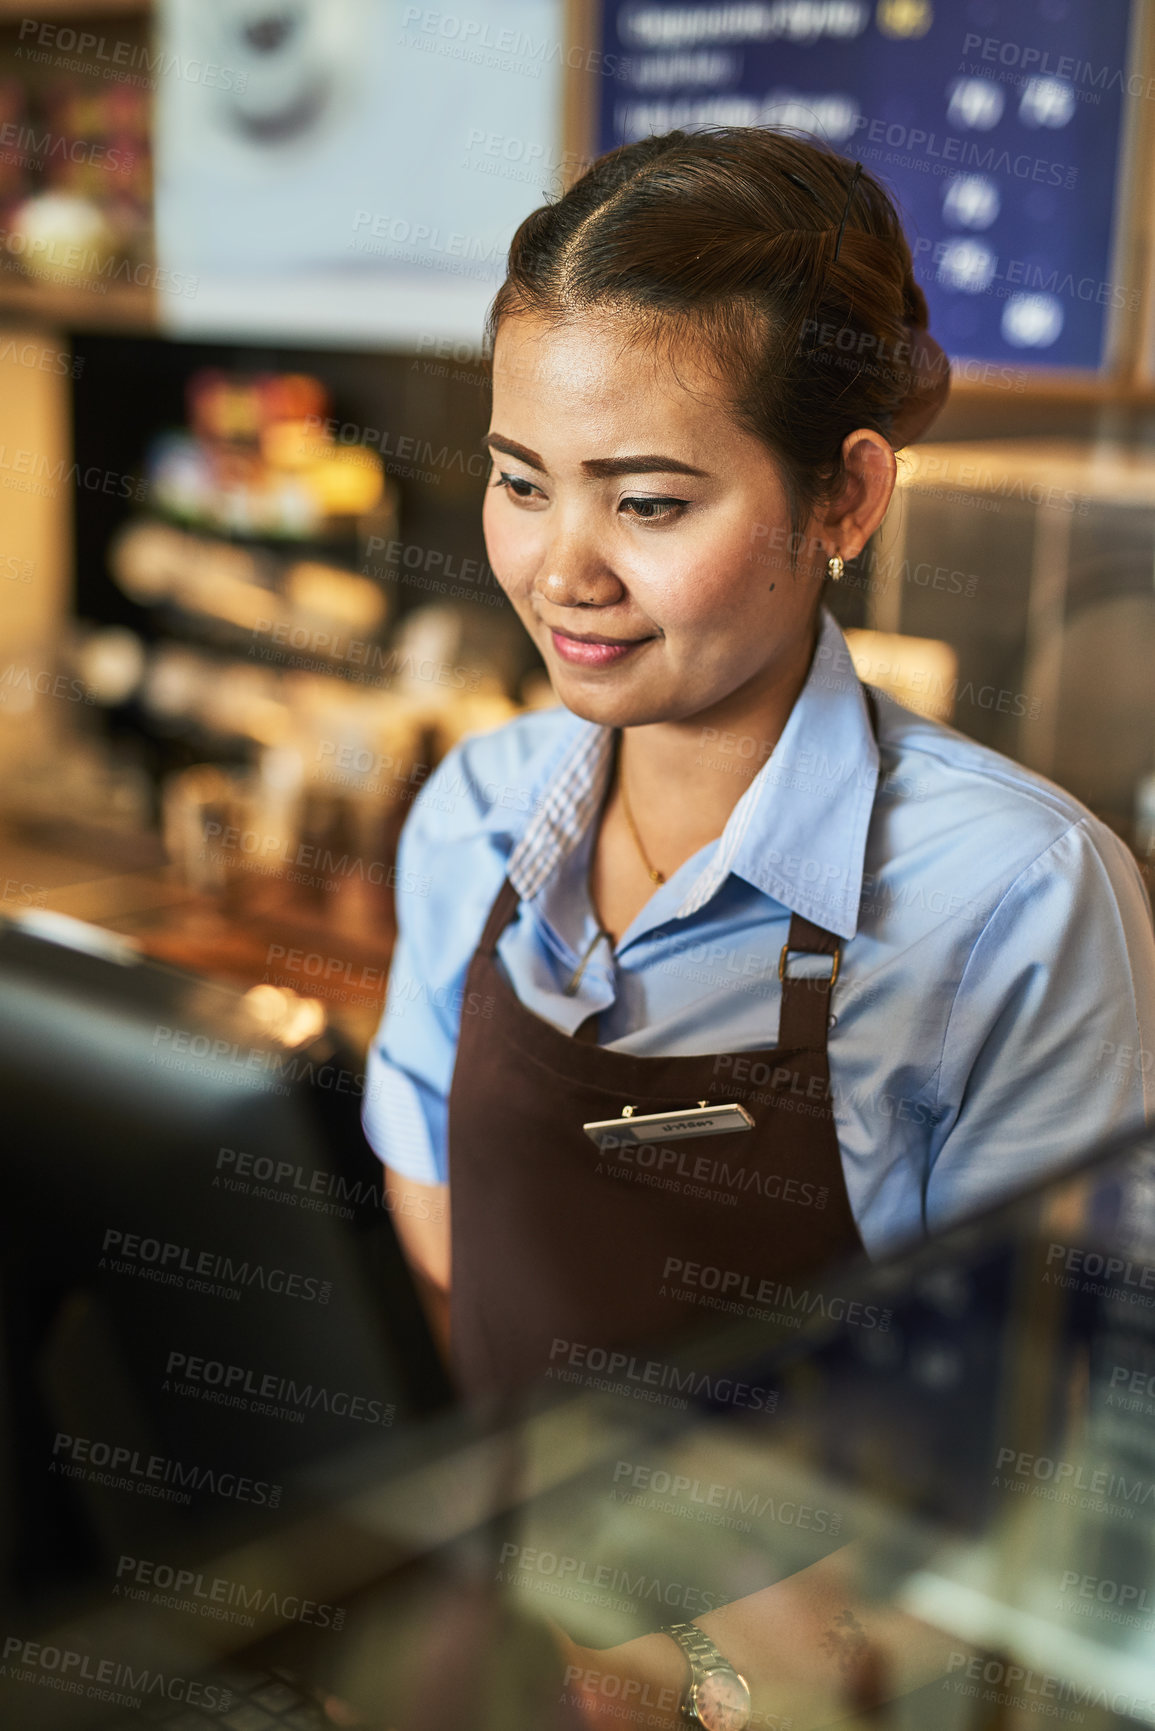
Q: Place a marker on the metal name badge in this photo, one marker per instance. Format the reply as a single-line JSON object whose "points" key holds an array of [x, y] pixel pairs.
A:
{"points": [[701, 1120]]}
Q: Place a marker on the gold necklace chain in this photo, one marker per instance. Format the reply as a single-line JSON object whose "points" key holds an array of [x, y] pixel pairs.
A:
{"points": [[656, 876]]}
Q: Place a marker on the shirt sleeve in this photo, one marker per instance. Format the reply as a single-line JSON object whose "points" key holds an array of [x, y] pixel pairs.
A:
{"points": [[405, 1110], [1048, 1047]]}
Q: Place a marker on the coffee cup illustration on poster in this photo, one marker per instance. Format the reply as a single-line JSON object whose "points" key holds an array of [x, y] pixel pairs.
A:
{"points": [[265, 107]]}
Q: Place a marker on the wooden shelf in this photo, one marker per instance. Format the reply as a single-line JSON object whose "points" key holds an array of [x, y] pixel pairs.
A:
{"points": [[124, 307], [1074, 387], [11, 11], [1090, 468]]}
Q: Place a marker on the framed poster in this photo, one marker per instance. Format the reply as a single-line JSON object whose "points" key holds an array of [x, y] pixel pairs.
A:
{"points": [[999, 128]]}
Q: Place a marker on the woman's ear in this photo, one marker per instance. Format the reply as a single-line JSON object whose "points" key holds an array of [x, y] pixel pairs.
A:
{"points": [[855, 513]]}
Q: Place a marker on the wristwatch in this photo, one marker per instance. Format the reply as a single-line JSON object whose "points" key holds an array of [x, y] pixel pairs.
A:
{"points": [[716, 1698]]}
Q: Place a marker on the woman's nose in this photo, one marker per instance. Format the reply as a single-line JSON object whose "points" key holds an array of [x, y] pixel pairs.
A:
{"points": [[575, 573]]}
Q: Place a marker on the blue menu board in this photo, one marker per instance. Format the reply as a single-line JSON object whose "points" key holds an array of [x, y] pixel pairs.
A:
{"points": [[996, 124]]}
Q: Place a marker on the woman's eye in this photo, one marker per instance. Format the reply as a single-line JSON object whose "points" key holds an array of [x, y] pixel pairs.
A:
{"points": [[655, 510], [516, 486], [642, 509]]}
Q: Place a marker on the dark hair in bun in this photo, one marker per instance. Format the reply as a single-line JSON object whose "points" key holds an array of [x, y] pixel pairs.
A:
{"points": [[783, 262]]}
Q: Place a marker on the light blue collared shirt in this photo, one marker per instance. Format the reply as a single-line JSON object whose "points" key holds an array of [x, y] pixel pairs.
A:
{"points": [[995, 1005]]}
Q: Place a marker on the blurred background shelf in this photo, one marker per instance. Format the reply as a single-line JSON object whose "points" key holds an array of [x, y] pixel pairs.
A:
{"points": [[167, 568], [123, 307], [79, 9]]}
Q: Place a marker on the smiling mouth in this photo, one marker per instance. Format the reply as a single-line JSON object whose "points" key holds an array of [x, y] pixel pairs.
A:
{"points": [[616, 642], [594, 651]]}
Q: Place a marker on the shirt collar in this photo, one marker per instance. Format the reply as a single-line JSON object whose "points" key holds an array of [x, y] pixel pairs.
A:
{"points": [[798, 833]]}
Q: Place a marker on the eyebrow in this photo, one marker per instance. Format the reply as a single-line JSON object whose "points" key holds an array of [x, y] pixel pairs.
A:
{"points": [[604, 468]]}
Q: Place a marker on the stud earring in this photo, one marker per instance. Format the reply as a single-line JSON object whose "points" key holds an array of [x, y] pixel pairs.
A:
{"points": [[835, 567]]}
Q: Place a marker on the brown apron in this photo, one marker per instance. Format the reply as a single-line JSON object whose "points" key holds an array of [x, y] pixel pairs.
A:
{"points": [[554, 1240]]}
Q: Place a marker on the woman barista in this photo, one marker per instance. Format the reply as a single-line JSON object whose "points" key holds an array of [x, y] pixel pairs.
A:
{"points": [[722, 874], [686, 447]]}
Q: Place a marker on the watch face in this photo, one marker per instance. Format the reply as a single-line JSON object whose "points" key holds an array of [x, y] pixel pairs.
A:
{"points": [[722, 1702]]}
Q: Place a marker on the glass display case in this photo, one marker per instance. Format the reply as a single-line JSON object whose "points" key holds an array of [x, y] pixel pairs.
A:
{"points": [[926, 1486]]}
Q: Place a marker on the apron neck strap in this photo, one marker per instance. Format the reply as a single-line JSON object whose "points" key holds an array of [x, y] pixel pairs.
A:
{"points": [[500, 915], [871, 710], [805, 1019], [805, 1015]]}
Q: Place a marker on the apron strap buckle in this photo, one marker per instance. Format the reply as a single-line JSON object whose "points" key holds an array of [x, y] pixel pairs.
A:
{"points": [[804, 1019], [825, 979]]}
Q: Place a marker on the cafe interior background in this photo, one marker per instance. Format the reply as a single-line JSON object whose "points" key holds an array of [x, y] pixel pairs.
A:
{"points": [[246, 250], [247, 247]]}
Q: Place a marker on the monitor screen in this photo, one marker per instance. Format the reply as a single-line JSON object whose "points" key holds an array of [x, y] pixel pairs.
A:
{"points": [[203, 1306]]}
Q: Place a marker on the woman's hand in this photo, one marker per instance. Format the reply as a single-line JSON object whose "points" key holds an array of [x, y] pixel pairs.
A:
{"points": [[647, 1675], [811, 1650]]}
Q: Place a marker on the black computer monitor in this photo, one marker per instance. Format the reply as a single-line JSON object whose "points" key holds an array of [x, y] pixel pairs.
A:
{"points": [[203, 1307]]}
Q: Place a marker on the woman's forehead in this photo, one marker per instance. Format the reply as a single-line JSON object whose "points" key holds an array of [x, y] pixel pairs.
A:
{"points": [[604, 368]]}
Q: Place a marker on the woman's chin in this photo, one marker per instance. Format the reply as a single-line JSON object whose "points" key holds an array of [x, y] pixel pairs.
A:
{"points": [[614, 708]]}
